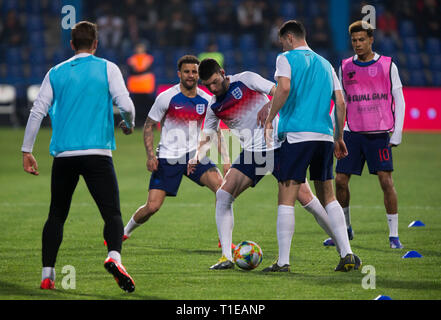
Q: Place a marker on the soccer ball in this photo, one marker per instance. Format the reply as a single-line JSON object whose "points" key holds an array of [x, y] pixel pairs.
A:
{"points": [[247, 255]]}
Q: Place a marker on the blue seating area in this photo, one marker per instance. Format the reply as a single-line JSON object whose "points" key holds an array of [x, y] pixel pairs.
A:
{"points": [[418, 57]]}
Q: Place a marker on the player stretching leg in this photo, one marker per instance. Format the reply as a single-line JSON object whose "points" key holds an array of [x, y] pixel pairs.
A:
{"points": [[237, 100], [180, 110]]}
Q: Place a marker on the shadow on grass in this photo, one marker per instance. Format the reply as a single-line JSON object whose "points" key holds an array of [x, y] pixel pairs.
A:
{"points": [[8, 289], [355, 277], [400, 252]]}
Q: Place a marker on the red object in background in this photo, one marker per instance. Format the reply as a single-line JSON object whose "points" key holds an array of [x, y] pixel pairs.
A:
{"points": [[423, 108]]}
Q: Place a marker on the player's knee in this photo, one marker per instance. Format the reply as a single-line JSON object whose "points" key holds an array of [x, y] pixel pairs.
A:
{"points": [[341, 182], [150, 208], [153, 208], [223, 196], [217, 183], [386, 182], [305, 195]]}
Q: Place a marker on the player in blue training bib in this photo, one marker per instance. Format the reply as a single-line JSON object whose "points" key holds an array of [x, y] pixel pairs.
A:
{"points": [[306, 84]]}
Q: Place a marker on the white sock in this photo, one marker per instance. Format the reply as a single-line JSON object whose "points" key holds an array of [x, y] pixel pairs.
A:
{"points": [[316, 209], [347, 213], [338, 227], [115, 255], [285, 231], [225, 221], [131, 225], [392, 221], [48, 272]]}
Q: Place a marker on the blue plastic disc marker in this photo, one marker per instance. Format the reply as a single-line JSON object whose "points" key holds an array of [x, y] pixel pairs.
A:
{"points": [[381, 297], [412, 254], [417, 223]]}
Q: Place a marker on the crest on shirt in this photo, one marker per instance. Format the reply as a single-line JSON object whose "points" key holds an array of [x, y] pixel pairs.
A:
{"points": [[237, 93], [200, 108], [372, 71]]}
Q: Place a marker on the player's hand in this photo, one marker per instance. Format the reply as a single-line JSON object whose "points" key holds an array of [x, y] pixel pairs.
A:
{"points": [[152, 164], [124, 128], [263, 114], [191, 166], [340, 150], [269, 134], [226, 167], [30, 164]]}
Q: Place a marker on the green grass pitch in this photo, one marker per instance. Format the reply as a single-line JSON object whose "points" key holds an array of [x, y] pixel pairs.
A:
{"points": [[169, 256]]}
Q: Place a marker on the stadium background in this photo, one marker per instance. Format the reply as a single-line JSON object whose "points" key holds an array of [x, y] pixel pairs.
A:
{"points": [[32, 40]]}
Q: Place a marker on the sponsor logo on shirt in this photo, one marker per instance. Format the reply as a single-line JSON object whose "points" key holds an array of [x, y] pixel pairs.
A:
{"points": [[367, 97]]}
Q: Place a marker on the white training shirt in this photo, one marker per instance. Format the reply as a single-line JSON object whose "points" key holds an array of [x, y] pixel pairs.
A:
{"points": [[283, 69], [43, 102], [181, 119], [238, 108]]}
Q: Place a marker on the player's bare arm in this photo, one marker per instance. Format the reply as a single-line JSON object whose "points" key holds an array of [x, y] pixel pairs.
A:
{"points": [[340, 150], [203, 147], [263, 113], [223, 150], [280, 96], [152, 160]]}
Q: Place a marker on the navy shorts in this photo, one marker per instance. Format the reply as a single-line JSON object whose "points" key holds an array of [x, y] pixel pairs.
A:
{"points": [[371, 148], [255, 165], [295, 158], [168, 177]]}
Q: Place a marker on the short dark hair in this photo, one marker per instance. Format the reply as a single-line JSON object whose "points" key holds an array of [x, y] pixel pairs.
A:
{"points": [[208, 67], [83, 34], [359, 26], [188, 58], [294, 27]]}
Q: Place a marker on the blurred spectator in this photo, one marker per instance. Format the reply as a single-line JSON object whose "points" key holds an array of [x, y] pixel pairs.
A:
{"points": [[250, 17], [356, 10], [132, 28], [220, 16], [431, 15], [213, 53], [180, 27], [274, 33], [130, 12], [152, 22], [175, 5], [149, 15], [129, 7], [13, 33], [406, 10], [319, 36], [387, 26], [141, 82], [111, 28]]}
